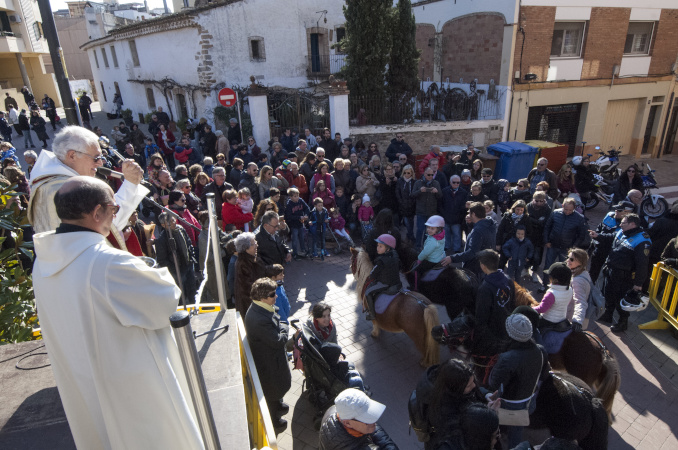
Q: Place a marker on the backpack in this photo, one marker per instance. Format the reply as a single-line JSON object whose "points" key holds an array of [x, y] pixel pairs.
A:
{"points": [[596, 302], [417, 405]]}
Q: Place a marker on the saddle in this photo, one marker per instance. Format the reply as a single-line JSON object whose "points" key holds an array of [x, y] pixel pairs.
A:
{"points": [[430, 275], [553, 337]]}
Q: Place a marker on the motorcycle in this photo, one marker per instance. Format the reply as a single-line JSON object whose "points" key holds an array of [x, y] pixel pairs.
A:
{"points": [[653, 206], [607, 164], [603, 193]]}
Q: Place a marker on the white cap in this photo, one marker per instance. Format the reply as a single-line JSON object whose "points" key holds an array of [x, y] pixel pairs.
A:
{"points": [[366, 198], [354, 404], [435, 221]]}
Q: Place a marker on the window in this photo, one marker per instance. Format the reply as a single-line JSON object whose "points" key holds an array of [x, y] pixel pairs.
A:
{"points": [[114, 56], [341, 34], [103, 91], [135, 55], [150, 98], [257, 51], [567, 39], [103, 53], [96, 59], [37, 28], [638, 38]]}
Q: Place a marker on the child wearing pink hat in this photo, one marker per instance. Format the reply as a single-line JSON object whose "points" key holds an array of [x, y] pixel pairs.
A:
{"points": [[385, 275]]}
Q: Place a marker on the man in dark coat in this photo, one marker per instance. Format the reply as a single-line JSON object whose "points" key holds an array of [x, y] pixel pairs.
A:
{"points": [[163, 118], [483, 236], [494, 303], [184, 252], [209, 143], [330, 145], [10, 101], [233, 133], [50, 110], [217, 187], [267, 337], [272, 249], [542, 173], [248, 181], [153, 127], [397, 147], [454, 212]]}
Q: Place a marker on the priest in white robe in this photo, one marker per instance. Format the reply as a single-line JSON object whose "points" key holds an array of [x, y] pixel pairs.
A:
{"points": [[105, 320]]}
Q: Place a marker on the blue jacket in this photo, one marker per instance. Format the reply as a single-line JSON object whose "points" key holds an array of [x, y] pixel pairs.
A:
{"points": [[565, 231], [318, 217], [454, 205], [282, 303], [519, 252], [434, 250], [294, 211], [482, 237]]}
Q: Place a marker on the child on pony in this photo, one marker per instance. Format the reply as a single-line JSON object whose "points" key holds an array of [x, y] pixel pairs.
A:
{"points": [[553, 307], [434, 245], [385, 275]]}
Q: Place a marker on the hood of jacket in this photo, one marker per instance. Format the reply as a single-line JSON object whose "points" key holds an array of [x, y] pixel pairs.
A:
{"points": [[486, 225], [59, 250], [498, 279], [48, 164]]}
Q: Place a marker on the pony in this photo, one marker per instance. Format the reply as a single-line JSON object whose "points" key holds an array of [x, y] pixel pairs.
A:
{"points": [[409, 312], [567, 407], [582, 355], [454, 288]]}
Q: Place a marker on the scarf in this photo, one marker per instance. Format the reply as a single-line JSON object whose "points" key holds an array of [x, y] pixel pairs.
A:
{"points": [[324, 332], [516, 218], [439, 236]]}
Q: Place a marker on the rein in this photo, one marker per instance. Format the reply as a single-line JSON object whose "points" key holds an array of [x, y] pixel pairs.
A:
{"points": [[599, 342]]}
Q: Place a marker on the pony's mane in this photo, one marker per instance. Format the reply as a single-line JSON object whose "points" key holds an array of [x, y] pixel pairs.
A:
{"points": [[363, 269], [523, 296]]}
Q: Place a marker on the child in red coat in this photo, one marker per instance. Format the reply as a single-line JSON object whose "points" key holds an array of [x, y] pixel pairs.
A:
{"points": [[231, 213]]}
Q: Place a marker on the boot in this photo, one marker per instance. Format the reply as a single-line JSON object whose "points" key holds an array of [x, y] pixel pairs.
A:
{"points": [[370, 309], [607, 316], [621, 325]]}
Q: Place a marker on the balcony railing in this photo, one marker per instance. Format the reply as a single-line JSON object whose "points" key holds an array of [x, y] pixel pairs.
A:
{"points": [[324, 65]]}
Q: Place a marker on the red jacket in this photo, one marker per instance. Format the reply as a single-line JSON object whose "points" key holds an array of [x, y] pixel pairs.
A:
{"points": [[161, 143], [427, 159], [326, 196], [233, 215]]}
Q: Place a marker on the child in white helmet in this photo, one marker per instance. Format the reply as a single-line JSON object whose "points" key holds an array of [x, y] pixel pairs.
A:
{"points": [[434, 245]]}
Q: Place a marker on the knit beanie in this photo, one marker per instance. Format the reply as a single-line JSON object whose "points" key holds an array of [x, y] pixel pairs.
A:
{"points": [[519, 327], [366, 198]]}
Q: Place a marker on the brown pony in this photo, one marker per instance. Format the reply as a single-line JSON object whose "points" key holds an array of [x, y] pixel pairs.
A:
{"points": [[412, 313]]}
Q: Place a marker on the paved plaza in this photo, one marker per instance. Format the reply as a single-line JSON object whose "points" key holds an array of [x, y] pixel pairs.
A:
{"points": [[645, 407]]}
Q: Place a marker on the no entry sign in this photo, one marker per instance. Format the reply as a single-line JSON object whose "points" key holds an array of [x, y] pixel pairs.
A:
{"points": [[227, 97]]}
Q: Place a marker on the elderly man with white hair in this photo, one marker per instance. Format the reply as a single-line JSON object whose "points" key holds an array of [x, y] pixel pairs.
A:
{"points": [[76, 152]]}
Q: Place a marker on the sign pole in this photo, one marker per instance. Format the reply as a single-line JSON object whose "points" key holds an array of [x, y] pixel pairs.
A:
{"points": [[237, 105]]}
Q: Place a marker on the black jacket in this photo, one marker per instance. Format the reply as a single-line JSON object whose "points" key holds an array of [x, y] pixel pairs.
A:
{"points": [[426, 202], [163, 251], [331, 148], [389, 197], [267, 337], [564, 231], [387, 270], [272, 250], [627, 258], [538, 218], [397, 147], [233, 134], [517, 370], [495, 301], [661, 232], [482, 237], [218, 191], [209, 145], [333, 436], [490, 189], [507, 227], [248, 181], [454, 205], [406, 203]]}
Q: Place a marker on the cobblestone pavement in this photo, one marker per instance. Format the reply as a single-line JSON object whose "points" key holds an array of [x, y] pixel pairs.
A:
{"points": [[644, 408]]}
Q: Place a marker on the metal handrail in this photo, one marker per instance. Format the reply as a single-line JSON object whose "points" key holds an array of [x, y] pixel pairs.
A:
{"points": [[262, 433]]}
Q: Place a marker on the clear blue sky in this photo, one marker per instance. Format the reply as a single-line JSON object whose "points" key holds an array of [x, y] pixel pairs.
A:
{"points": [[61, 4]]}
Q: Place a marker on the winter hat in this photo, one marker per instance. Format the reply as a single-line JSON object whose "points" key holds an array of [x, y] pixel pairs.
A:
{"points": [[286, 163], [366, 198], [386, 239], [466, 172], [519, 327]]}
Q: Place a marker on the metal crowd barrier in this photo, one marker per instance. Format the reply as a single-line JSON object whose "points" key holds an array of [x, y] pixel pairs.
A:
{"points": [[262, 433], [664, 297]]}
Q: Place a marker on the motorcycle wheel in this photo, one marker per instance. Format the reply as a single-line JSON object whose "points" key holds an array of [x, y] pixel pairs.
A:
{"points": [[654, 211], [591, 202]]}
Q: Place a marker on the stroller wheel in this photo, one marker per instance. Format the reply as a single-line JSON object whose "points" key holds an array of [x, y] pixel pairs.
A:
{"points": [[337, 249]]}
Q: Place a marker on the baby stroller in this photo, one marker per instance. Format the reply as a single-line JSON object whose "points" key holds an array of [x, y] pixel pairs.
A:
{"points": [[322, 385], [337, 243]]}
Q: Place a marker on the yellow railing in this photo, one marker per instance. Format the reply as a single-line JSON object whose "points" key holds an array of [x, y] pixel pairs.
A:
{"points": [[664, 277], [262, 433]]}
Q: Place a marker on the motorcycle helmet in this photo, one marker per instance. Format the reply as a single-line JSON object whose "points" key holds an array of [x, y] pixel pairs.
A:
{"points": [[598, 178], [577, 160], [634, 301]]}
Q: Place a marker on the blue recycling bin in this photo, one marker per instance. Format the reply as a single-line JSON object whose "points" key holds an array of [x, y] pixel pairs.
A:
{"points": [[515, 160]]}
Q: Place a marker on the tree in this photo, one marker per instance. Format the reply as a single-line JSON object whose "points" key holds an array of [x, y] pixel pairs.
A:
{"points": [[404, 57], [367, 45]]}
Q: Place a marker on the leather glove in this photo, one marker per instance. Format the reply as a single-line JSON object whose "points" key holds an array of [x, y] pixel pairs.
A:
{"points": [[576, 327]]}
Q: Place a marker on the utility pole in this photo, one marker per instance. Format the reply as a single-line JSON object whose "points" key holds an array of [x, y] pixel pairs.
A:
{"points": [[50, 32]]}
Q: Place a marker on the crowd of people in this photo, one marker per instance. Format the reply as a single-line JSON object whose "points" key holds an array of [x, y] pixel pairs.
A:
{"points": [[279, 204]]}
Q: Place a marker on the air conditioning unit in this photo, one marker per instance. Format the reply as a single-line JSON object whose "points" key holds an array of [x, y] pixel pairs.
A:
{"points": [[15, 18]]}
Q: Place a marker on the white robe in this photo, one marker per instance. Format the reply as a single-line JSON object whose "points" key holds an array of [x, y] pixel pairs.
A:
{"points": [[49, 174], [105, 320]]}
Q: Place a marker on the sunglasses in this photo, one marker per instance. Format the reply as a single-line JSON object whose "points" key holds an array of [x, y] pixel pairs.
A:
{"points": [[455, 182], [271, 295], [429, 174], [116, 208], [521, 185]]}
